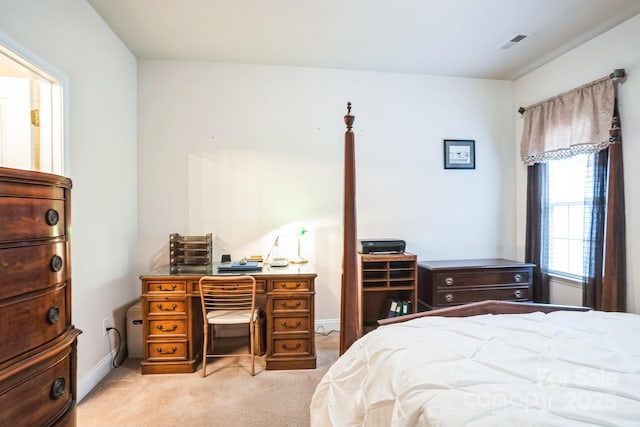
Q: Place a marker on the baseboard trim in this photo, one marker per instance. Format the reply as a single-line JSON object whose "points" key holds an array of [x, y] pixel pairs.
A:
{"points": [[98, 373]]}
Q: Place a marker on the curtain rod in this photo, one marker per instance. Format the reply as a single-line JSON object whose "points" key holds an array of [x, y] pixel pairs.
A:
{"points": [[618, 73]]}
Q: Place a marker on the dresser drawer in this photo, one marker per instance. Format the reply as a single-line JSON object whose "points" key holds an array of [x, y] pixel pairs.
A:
{"points": [[291, 347], [31, 268], [28, 323], [290, 303], [166, 350], [290, 285], [165, 286], [452, 279], [29, 219], [163, 328], [40, 393], [288, 324], [166, 306], [455, 297]]}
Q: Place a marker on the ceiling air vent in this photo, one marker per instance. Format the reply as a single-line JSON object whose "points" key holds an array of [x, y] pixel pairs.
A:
{"points": [[513, 40]]}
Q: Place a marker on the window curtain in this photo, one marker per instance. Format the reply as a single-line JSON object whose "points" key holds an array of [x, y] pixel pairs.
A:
{"points": [[604, 285], [584, 120], [536, 250]]}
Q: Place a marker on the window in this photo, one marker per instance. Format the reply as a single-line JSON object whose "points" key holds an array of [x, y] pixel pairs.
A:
{"points": [[570, 186]]}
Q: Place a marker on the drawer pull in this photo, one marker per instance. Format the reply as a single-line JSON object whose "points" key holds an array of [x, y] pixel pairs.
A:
{"points": [[57, 388], [286, 347], [284, 325], [518, 278], [162, 307], [285, 305], [448, 297], [173, 287], [284, 285], [53, 315], [56, 263], [173, 351], [173, 328], [518, 293], [448, 281], [52, 217]]}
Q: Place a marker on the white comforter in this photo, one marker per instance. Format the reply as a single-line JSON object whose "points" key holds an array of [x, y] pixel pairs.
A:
{"points": [[557, 369]]}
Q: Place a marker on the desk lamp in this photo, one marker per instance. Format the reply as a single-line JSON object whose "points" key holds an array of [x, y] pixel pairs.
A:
{"points": [[299, 259]]}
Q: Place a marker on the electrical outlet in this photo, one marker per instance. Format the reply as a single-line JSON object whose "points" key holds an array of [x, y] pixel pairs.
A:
{"points": [[106, 324]]}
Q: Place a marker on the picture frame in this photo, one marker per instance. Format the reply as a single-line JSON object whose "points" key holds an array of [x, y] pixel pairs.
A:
{"points": [[459, 154]]}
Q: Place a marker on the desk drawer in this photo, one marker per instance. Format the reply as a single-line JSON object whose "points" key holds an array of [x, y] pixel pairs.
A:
{"points": [[163, 328], [290, 285], [165, 286], [31, 268], [167, 350], [479, 277], [166, 306], [455, 297], [290, 324], [281, 304], [260, 286], [291, 347]]}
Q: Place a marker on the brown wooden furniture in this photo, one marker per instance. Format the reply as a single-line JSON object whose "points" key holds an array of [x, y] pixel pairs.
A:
{"points": [[486, 307], [385, 278], [172, 318], [455, 282], [38, 353]]}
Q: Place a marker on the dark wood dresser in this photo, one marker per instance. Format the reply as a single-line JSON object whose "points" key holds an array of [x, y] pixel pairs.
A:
{"points": [[38, 352], [454, 282]]}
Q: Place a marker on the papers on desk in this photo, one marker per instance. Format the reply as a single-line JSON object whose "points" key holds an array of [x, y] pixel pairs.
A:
{"points": [[239, 267]]}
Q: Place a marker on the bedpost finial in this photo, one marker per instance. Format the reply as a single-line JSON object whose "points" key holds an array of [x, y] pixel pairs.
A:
{"points": [[348, 119]]}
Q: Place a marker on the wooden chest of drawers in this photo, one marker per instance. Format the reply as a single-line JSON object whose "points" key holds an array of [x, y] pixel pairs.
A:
{"points": [[172, 319], [454, 282], [38, 352]]}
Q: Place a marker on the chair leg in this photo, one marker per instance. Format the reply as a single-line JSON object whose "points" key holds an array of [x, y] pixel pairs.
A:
{"points": [[252, 337], [204, 350]]}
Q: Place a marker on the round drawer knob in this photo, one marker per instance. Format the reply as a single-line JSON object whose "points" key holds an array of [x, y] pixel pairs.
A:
{"points": [[448, 297], [448, 281], [53, 315], [518, 294], [517, 278], [52, 217], [58, 388], [56, 263]]}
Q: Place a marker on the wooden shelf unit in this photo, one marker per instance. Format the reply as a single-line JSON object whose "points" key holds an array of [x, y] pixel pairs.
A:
{"points": [[383, 278]]}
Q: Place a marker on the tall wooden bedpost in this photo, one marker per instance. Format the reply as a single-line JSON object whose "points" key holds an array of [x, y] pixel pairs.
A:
{"points": [[350, 325]]}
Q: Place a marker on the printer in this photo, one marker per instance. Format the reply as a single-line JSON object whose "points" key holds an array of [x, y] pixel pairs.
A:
{"points": [[382, 246]]}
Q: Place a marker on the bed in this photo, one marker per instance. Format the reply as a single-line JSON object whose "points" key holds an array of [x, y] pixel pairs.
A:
{"points": [[488, 364]]}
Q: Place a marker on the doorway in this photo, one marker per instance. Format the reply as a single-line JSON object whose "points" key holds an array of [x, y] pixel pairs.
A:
{"points": [[31, 134]]}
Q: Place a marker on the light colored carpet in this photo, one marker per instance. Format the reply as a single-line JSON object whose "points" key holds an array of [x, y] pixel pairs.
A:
{"points": [[228, 396]]}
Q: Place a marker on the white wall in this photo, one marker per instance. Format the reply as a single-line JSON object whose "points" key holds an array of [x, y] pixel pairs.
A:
{"points": [[101, 138], [242, 151], [616, 48]]}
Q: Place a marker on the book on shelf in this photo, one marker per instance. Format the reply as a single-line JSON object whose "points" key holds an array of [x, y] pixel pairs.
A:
{"points": [[398, 308]]}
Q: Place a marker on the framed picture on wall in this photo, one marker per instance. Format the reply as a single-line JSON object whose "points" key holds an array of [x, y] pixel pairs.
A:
{"points": [[459, 154]]}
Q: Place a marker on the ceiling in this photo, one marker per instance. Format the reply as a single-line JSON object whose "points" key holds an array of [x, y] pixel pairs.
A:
{"points": [[438, 37]]}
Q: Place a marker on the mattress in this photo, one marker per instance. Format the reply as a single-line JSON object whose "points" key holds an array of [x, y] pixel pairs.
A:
{"points": [[558, 369]]}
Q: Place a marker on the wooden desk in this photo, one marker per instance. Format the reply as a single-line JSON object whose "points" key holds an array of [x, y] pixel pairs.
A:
{"points": [[172, 318]]}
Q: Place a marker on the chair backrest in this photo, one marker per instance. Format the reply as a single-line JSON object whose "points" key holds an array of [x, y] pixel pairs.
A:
{"points": [[227, 293]]}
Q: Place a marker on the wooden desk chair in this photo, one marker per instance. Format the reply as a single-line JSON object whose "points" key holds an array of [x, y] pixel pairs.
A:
{"points": [[228, 300]]}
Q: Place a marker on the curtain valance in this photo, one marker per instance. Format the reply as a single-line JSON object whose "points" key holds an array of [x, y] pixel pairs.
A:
{"points": [[577, 121]]}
